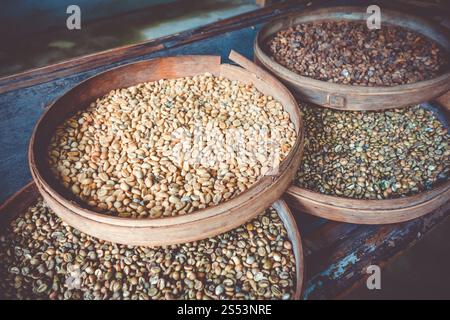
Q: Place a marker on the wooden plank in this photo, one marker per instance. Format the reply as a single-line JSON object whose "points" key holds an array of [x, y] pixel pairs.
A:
{"points": [[333, 270], [326, 236]]}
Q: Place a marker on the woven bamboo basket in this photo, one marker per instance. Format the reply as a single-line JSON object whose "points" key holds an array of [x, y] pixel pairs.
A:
{"points": [[26, 197], [368, 211], [351, 97], [374, 211], [168, 230]]}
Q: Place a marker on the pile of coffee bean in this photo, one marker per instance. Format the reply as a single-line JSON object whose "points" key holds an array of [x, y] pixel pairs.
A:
{"points": [[347, 52], [43, 258], [170, 147], [373, 155]]}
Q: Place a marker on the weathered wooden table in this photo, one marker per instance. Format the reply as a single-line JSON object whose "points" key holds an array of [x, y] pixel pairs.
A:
{"points": [[336, 254]]}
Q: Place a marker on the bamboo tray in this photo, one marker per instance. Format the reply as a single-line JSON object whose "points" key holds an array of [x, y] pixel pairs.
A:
{"points": [[24, 198], [348, 97], [374, 211], [169, 230], [367, 211]]}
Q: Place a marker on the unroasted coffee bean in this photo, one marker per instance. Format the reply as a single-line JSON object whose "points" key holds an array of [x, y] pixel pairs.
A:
{"points": [[373, 155], [214, 268], [170, 147], [349, 53]]}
